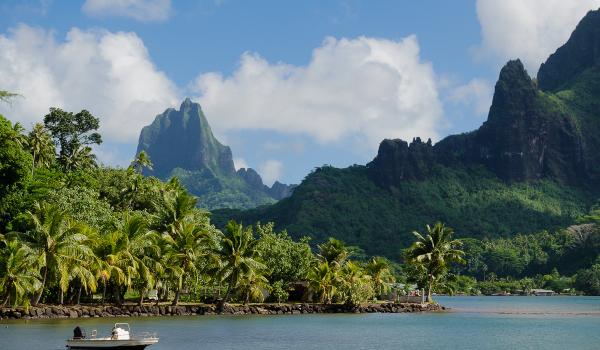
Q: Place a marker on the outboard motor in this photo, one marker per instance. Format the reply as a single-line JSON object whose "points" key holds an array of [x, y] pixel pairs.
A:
{"points": [[78, 333]]}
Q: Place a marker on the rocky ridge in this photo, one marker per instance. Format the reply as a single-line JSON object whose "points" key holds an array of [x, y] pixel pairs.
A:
{"points": [[533, 165]]}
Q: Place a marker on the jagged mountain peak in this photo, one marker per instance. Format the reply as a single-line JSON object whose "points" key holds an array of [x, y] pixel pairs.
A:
{"points": [[183, 139], [181, 143], [580, 52], [533, 164]]}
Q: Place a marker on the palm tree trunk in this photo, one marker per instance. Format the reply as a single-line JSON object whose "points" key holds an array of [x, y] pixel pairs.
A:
{"points": [[104, 290], [118, 294], [38, 297], [429, 288], [176, 299], [178, 292], [229, 289], [6, 298], [78, 295], [33, 163]]}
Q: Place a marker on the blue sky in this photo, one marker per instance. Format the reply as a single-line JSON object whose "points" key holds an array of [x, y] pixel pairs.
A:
{"points": [[288, 85]]}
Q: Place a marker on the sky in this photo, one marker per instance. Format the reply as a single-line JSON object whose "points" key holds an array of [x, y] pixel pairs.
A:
{"points": [[289, 86]]}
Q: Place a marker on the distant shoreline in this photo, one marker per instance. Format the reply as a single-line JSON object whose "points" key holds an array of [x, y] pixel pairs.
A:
{"points": [[131, 310]]}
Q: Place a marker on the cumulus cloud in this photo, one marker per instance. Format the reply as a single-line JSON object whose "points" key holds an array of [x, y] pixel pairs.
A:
{"points": [[364, 88], [530, 30], [141, 10], [110, 74], [270, 171], [476, 95]]}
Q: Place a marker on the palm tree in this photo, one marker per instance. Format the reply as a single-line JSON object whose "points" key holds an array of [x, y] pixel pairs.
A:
{"points": [[81, 158], [356, 286], [82, 272], [187, 242], [58, 241], [173, 205], [254, 284], [434, 252], [334, 251], [18, 134], [141, 161], [104, 249], [380, 270], [135, 179], [129, 253], [323, 280], [41, 147], [18, 275], [239, 256]]}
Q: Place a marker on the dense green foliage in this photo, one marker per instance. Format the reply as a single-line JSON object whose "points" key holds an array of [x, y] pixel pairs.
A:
{"points": [[286, 260], [588, 280], [73, 133], [519, 190], [221, 191], [72, 231], [15, 161], [342, 202]]}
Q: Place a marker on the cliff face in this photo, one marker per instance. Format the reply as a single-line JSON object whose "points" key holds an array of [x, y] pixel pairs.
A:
{"points": [[529, 135], [398, 161], [183, 139], [533, 165], [181, 143], [581, 52]]}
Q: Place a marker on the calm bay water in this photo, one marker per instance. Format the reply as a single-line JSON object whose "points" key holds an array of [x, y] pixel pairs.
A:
{"points": [[474, 323]]}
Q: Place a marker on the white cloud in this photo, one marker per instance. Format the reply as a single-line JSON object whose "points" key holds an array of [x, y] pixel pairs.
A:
{"points": [[530, 30], [240, 163], [141, 10], [270, 171], [110, 74], [476, 95], [364, 88]]}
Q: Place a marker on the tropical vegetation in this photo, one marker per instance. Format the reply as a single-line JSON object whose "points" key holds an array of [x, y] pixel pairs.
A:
{"points": [[77, 231]]}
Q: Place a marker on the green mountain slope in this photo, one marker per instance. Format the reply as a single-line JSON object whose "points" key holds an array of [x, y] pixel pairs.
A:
{"points": [[533, 165], [347, 204], [181, 143]]}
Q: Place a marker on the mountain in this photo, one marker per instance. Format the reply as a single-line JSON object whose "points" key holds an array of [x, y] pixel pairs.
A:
{"points": [[533, 165], [181, 143], [183, 139]]}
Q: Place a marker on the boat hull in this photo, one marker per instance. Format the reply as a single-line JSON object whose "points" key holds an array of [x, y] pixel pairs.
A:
{"points": [[128, 347], [110, 344]]}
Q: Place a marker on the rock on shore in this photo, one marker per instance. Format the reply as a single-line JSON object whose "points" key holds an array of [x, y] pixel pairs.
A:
{"points": [[86, 311]]}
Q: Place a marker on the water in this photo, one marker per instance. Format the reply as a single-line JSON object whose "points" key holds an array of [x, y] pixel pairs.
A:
{"points": [[474, 323]]}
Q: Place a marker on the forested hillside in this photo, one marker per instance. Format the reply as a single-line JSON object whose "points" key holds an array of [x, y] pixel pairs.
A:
{"points": [[533, 165]]}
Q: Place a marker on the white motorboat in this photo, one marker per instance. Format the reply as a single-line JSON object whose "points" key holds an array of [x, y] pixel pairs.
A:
{"points": [[121, 338]]}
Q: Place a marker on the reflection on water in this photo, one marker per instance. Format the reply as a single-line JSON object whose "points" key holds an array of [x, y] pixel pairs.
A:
{"points": [[474, 323]]}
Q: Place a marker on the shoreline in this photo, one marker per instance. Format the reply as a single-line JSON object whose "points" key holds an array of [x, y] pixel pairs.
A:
{"points": [[134, 310]]}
